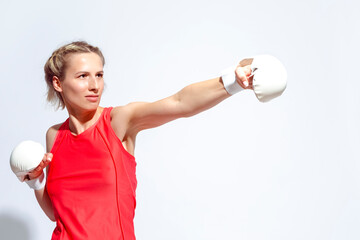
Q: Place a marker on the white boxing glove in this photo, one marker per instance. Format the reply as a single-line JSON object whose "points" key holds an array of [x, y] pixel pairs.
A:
{"points": [[269, 78], [25, 157]]}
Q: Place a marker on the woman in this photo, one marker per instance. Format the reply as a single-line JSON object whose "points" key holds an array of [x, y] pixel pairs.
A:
{"points": [[91, 181]]}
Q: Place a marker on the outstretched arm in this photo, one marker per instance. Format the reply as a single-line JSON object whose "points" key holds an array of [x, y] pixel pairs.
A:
{"points": [[189, 101]]}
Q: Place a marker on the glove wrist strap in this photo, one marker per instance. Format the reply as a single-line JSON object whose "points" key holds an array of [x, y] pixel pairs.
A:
{"points": [[228, 77], [37, 183]]}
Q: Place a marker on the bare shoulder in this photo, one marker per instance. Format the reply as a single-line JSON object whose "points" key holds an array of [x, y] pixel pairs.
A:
{"points": [[127, 111], [121, 117], [119, 114], [50, 136], [119, 120], [123, 111]]}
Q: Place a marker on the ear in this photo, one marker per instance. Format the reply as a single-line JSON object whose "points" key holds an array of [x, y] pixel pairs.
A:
{"points": [[56, 84]]}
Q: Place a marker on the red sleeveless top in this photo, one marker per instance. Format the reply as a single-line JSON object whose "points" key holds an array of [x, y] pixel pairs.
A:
{"points": [[92, 183]]}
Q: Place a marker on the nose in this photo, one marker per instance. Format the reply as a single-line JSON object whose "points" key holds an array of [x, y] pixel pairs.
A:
{"points": [[93, 84]]}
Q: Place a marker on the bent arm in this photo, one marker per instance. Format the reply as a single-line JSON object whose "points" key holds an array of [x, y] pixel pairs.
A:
{"points": [[42, 195]]}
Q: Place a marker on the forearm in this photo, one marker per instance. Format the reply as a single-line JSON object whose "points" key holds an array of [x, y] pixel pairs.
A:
{"points": [[45, 203], [201, 96]]}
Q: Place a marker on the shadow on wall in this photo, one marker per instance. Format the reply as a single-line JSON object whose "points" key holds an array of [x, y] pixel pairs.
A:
{"points": [[13, 228]]}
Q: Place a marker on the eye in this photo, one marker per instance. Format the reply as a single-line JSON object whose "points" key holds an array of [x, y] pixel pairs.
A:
{"points": [[100, 75], [82, 76]]}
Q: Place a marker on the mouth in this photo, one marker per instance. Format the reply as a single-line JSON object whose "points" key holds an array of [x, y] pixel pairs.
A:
{"points": [[92, 98]]}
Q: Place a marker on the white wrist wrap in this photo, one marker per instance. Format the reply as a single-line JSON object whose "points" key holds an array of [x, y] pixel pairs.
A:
{"points": [[229, 80], [37, 183]]}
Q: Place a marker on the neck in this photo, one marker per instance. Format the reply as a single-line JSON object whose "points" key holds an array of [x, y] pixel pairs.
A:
{"points": [[80, 120]]}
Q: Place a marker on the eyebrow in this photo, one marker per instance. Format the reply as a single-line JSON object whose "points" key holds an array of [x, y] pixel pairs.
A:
{"points": [[102, 71]]}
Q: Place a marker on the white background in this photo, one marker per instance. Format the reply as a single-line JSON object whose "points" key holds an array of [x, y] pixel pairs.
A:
{"points": [[288, 169]]}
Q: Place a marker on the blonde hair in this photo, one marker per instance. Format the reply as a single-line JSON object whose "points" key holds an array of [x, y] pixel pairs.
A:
{"points": [[56, 66]]}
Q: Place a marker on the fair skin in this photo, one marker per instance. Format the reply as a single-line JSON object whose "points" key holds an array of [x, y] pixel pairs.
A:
{"points": [[81, 90]]}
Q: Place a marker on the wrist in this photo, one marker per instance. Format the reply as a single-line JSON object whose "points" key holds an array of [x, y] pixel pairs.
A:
{"points": [[37, 183], [229, 81]]}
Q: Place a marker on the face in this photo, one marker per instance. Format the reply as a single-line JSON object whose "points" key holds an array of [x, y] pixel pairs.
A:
{"points": [[82, 87]]}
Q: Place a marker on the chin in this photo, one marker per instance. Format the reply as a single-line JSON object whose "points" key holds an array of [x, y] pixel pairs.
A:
{"points": [[93, 106], [88, 107]]}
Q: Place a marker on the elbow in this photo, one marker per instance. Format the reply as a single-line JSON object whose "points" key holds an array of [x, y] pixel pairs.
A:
{"points": [[51, 217], [50, 214]]}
